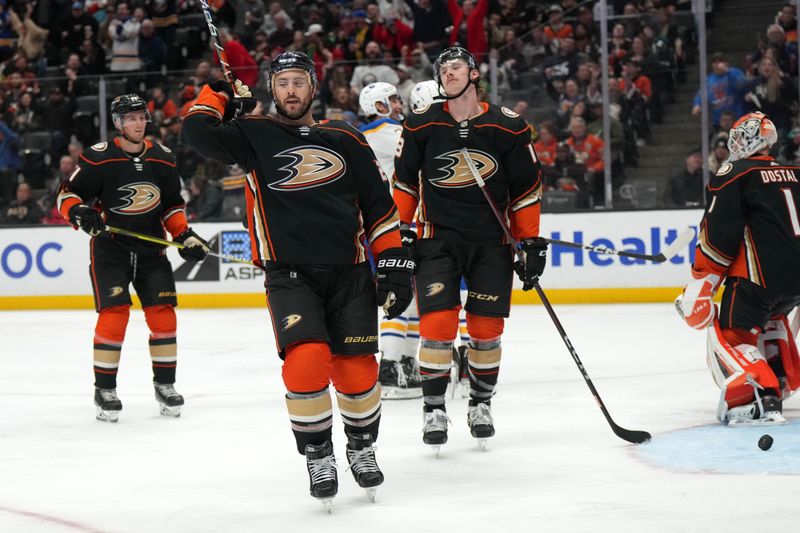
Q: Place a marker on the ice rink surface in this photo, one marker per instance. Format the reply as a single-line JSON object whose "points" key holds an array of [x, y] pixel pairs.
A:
{"points": [[229, 464]]}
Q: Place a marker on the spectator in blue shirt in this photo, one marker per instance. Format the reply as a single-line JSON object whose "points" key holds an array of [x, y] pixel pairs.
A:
{"points": [[726, 89]]}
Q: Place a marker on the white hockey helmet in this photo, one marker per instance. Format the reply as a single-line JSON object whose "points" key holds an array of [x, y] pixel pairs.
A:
{"points": [[423, 95], [750, 134], [374, 93]]}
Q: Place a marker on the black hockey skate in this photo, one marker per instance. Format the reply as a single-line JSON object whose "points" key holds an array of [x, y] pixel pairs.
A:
{"points": [[434, 430], [481, 424], [321, 464], [108, 404], [361, 458], [168, 399], [395, 383]]}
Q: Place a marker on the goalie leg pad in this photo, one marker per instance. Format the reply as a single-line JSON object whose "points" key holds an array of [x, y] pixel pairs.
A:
{"points": [[777, 343], [738, 369]]}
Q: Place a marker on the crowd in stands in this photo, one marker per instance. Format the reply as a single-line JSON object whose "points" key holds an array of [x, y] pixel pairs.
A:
{"points": [[53, 53]]}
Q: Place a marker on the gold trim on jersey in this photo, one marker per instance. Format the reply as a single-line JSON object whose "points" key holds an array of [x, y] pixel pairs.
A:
{"points": [[753, 272], [406, 189], [361, 253], [708, 249], [259, 230]]}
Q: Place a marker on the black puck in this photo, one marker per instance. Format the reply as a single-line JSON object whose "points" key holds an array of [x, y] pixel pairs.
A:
{"points": [[765, 442]]}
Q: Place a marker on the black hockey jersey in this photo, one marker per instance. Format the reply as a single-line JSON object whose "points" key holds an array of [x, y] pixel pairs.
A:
{"points": [[313, 192], [751, 226], [138, 193], [432, 176]]}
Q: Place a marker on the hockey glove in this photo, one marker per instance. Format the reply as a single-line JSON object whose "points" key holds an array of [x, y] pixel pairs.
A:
{"points": [[695, 304], [194, 248], [394, 271], [535, 252], [408, 238], [88, 219], [240, 103]]}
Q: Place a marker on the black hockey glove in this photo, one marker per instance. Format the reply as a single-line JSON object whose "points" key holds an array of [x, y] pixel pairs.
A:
{"points": [[239, 103], [394, 271], [194, 248], [535, 251], [88, 219], [408, 238]]}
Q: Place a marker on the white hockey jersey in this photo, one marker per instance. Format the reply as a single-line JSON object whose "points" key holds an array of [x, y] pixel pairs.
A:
{"points": [[383, 136]]}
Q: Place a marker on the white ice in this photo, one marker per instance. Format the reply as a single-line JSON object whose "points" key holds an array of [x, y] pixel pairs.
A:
{"points": [[229, 464]]}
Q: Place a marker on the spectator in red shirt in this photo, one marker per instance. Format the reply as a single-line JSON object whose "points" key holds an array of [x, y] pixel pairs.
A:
{"points": [[468, 22], [588, 151], [546, 150], [243, 66], [160, 106], [556, 29]]}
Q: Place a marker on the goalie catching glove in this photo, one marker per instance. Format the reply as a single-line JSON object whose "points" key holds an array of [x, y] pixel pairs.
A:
{"points": [[695, 304], [535, 252], [194, 248], [394, 271], [88, 219], [239, 103]]}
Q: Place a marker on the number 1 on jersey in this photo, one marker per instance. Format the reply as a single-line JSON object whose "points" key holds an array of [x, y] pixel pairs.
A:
{"points": [[792, 207]]}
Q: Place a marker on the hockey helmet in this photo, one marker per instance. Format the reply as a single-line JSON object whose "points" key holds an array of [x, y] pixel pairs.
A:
{"points": [[423, 95], [452, 54], [292, 61], [750, 134], [127, 103], [374, 93]]}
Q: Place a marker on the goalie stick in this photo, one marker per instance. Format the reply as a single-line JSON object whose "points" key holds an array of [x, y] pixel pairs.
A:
{"points": [[633, 436], [680, 242]]}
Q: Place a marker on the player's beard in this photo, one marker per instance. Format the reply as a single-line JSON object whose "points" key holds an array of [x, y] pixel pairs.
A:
{"points": [[305, 106]]}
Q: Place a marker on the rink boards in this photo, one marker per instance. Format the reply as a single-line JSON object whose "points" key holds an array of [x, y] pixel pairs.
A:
{"points": [[48, 267]]}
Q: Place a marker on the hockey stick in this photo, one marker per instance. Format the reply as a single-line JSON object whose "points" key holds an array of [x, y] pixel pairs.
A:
{"points": [[636, 437], [221, 55], [156, 240], [680, 242]]}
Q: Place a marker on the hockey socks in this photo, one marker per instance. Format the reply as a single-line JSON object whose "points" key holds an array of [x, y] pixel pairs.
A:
{"points": [[484, 366], [311, 417], [435, 359]]}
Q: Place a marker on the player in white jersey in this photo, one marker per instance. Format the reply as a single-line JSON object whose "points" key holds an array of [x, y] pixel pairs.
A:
{"points": [[399, 339]]}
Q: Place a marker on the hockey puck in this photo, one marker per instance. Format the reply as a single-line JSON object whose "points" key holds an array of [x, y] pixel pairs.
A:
{"points": [[765, 442]]}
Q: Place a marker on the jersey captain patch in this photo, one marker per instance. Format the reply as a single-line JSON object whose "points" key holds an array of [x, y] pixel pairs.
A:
{"points": [[310, 166], [139, 198], [456, 172]]}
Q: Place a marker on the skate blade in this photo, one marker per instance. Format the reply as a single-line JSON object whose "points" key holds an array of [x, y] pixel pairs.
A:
{"points": [[371, 492], [166, 410], [107, 416], [483, 444], [327, 504], [396, 393], [436, 449]]}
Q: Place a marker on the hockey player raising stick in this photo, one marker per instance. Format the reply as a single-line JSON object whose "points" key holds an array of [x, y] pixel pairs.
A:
{"points": [[313, 191], [459, 235], [750, 240], [134, 186], [399, 339]]}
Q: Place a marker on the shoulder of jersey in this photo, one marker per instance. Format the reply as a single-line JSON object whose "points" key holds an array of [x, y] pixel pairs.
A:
{"points": [[162, 152], [341, 128], [505, 118], [733, 169], [432, 113], [102, 151]]}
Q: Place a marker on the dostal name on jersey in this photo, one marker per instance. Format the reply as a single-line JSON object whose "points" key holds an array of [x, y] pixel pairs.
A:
{"points": [[779, 175]]}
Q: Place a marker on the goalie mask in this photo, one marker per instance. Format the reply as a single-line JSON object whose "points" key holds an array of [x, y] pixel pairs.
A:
{"points": [[374, 93], [750, 134]]}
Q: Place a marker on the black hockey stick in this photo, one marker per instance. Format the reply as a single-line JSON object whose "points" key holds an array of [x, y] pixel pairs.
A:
{"points": [[636, 437], [680, 242], [221, 55]]}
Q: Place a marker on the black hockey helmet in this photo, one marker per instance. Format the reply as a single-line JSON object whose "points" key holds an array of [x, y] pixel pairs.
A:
{"points": [[451, 54], [127, 103], [292, 61]]}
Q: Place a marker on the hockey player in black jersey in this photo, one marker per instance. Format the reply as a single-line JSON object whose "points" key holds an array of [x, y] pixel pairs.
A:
{"points": [[314, 196], [459, 235], [131, 183], [750, 240]]}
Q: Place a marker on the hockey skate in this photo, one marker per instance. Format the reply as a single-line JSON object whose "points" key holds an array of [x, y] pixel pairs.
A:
{"points": [[361, 458], [481, 424], [434, 429], [108, 404], [765, 411], [395, 382], [321, 464], [168, 399]]}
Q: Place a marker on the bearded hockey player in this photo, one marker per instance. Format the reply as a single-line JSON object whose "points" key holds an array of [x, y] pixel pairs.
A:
{"points": [[750, 241], [459, 236], [131, 183], [314, 192]]}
